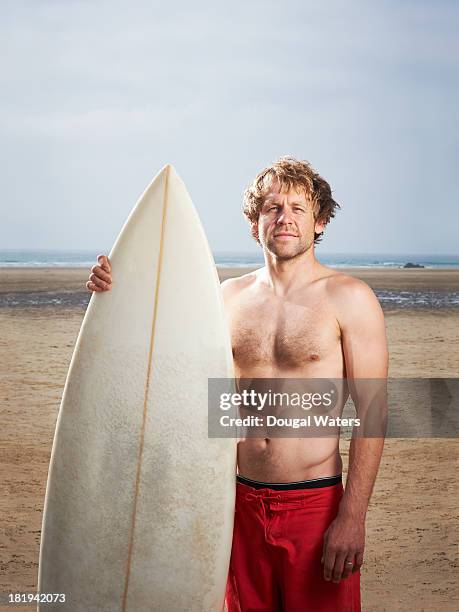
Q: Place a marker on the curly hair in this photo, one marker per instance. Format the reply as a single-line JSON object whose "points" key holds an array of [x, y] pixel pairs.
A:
{"points": [[290, 173]]}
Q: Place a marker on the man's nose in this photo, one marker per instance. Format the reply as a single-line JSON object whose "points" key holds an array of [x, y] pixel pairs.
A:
{"points": [[284, 217]]}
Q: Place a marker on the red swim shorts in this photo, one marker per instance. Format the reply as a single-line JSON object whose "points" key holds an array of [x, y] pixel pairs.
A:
{"points": [[277, 550]]}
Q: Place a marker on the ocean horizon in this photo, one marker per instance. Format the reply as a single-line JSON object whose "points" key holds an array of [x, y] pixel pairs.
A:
{"points": [[44, 258], [425, 297]]}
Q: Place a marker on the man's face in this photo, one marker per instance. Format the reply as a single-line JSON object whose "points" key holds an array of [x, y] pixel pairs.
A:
{"points": [[286, 223]]}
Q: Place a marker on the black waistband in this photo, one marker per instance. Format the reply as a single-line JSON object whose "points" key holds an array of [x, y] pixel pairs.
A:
{"points": [[314, 483]]}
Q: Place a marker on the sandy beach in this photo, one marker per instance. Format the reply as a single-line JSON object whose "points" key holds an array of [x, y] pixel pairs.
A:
{"points": [[411, 557]]}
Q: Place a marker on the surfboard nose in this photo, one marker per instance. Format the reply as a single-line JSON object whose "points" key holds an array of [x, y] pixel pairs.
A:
{"points": [[168, 169], [175, 183]]}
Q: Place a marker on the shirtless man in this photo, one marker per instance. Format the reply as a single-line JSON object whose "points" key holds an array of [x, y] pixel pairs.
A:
{"points": [[299, 536]]}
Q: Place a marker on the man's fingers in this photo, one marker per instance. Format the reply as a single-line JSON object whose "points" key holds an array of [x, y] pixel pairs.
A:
{"points": [[349, 563], [324, 547], [99, 283], [100, 278], [101, 274], [338, 567], [329, 563], [358, 561], [104, 262], [92, 287]]}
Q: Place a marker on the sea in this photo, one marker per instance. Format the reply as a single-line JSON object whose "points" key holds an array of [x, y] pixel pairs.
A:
{"points": [[83, 259], [425, 298]]}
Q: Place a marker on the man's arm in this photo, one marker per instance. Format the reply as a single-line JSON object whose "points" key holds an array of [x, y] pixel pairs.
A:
{"points": [[364, 345], [366, 357]]}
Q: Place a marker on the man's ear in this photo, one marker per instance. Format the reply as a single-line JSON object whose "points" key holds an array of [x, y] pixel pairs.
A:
{"points": [[319, 226], [254, 230]]}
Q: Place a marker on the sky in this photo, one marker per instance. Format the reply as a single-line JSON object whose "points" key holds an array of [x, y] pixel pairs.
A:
{"points": [[98, 95]]}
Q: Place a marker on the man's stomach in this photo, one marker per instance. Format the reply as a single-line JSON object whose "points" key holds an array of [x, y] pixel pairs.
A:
{"points": [[288, 459]]}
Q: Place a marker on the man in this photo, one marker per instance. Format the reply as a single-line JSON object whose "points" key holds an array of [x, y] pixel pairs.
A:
{"points": [[298, 536]]}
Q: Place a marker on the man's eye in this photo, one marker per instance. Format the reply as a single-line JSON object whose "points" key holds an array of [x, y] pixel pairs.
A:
{"points": [[297, 209]]}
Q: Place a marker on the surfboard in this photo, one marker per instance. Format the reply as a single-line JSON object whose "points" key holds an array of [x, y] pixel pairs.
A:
{"points": [[139, 503]]}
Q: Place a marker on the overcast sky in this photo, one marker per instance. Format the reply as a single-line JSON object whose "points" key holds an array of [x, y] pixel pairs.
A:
{"points": [[98, 95]]}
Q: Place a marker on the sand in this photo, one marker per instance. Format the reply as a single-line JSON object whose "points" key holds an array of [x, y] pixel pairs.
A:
{"points": [[73, 279], [411, 557]]}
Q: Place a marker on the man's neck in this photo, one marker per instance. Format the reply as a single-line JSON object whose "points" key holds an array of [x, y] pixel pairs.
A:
{"points": [[288, 275]]}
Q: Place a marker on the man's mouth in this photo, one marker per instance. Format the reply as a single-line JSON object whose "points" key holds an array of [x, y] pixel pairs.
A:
{"points": [[285, 235]]}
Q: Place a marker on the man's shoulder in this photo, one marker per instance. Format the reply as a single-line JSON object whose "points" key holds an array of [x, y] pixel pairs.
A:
{"points": [[342, 282], [234, 285], [350, 293]]}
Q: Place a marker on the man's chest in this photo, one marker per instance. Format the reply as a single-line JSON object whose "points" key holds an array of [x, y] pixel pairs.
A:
{"points": [[283, 333]]}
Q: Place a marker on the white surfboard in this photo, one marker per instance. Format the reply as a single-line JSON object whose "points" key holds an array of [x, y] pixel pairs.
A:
{"points": [[139, 502]]}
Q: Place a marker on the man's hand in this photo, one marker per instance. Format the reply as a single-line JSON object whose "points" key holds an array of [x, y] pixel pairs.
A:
{"points": [[100, 278], [344, 543]]}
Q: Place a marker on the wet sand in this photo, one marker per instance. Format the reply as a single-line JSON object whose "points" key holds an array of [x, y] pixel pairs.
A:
{"points": [[73, 279]]}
